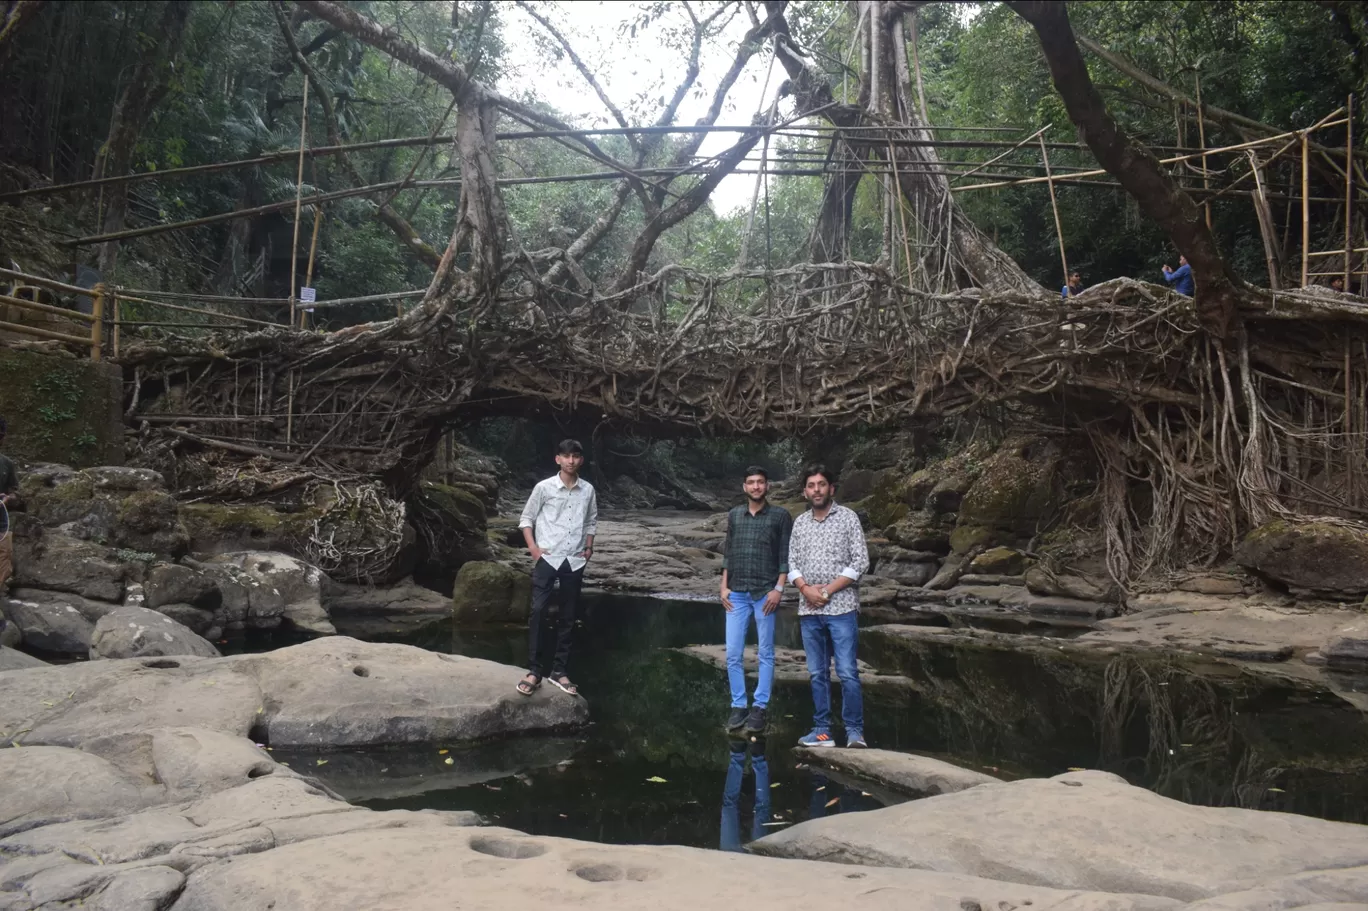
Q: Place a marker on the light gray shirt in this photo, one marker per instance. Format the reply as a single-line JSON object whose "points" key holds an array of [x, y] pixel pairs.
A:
{"points": [[821, 551], [561, 519]]}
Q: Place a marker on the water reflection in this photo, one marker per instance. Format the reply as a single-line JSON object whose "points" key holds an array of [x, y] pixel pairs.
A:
{"points": [[741, 750], [649, 769]]}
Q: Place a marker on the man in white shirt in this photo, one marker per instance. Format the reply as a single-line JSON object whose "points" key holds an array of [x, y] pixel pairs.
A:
{"points": [[558, 523]]}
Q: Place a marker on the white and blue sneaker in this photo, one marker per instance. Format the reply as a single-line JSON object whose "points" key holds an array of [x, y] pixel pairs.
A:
{"points": [[855, 740], [816, 738]]}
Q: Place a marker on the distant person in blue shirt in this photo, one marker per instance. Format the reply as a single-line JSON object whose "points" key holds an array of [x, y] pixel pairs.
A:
{"points": [[1074, 286], [1180, 278]]}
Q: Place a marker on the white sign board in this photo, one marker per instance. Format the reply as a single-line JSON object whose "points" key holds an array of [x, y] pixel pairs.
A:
{"points": [[307, 295]]}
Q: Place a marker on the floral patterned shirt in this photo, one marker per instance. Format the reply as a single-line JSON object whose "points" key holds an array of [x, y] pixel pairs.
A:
{"points": [[821, 551]]}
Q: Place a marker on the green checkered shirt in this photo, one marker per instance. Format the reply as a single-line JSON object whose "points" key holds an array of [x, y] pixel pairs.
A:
{"points": [[756, 550]]}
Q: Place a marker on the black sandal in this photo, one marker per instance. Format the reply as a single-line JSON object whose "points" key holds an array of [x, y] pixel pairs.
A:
{"points": [[563, 684], [529, 684]]}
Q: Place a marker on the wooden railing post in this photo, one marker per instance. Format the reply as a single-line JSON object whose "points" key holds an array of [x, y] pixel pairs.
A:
{"points": [[97, 325], [114, 300]]}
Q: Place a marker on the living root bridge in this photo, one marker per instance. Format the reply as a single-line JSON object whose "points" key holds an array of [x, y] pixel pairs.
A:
{"points": [[1219, 437]]}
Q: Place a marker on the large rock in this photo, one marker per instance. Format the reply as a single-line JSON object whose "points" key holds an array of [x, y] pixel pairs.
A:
{"points": [[451, 525], [138, 632], [294, 584], [14, 660], [492, 868], [1325, 557], [1000, 561], [51, 625], [903, 773], [120, 507], [491, 593], [1012, 496], [1081, 830], [906, 567], [249, 834], [55, 561], [328, 692], [363, 611], [171, 583]]}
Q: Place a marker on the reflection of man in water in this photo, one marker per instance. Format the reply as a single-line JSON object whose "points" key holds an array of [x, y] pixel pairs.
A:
{"points": [[731, 794]]}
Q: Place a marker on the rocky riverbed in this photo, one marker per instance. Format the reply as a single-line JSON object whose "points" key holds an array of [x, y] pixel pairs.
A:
{"points": [[147, 777]]}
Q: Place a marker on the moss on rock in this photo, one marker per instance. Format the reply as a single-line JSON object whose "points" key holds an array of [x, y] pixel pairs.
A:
{"points": [[1326, 557], [61, 410], [219, 527], [491, 593]]}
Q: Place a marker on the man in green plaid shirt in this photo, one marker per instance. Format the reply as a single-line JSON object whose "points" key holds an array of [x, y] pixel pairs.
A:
{"points": [[754, 569]]}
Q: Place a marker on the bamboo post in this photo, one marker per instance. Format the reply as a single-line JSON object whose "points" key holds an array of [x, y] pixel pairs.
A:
{"points": [[1265, 216], [299, 190], [97, 323], [1348, 423], [1306, 205], [308, 273], [1201, 139], [1054, 205], [1348, 193], [118, 307]]}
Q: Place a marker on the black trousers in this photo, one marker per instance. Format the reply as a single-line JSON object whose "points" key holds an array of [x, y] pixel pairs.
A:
{"points": [[544, 578]]}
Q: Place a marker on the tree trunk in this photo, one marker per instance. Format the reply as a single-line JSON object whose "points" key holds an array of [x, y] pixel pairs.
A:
{"points": [[1138, 171], [146, 87], [953, 251]]}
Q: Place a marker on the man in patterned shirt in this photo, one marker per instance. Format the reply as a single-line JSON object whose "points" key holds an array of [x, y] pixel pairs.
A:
{"points": [[754, 567], [827, 556]]}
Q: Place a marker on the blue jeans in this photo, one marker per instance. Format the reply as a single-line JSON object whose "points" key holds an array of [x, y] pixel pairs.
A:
{"points": [[823, 636], [731, 796], [738, 621]]}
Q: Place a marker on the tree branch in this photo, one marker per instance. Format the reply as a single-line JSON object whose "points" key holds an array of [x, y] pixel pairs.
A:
{"points": [[1133, 165], [397, 224], [584, 70]]}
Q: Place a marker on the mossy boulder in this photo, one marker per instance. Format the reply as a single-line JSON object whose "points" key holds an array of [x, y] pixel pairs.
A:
{"points": [[221, 527], [488, 592], [923, 531], [1012, 497], [451, 528], [1013, 491], [1325, 557], [127, 508], [882, 499], [1000, 561]]}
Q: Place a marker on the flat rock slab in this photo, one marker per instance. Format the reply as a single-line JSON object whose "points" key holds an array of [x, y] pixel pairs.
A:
{"points": [[498, 869], [907, 774], [1227, 628], [1081, 830], [330, 692], [790, 665]]}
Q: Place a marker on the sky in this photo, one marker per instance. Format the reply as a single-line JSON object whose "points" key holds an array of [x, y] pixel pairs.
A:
{"points": [[636, 72]]}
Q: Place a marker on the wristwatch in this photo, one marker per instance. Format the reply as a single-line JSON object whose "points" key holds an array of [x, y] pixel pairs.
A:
{"points": [[825, 593], [779, 589]]}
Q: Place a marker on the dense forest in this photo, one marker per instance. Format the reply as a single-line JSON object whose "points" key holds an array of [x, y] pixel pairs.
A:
{"points": [[798, 219], [97, 89]]}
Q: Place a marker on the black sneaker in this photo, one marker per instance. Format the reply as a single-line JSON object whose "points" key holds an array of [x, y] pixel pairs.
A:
{"points": [[736, 719], [756, 721]]}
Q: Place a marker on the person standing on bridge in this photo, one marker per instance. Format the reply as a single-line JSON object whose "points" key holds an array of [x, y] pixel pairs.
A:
{"points": [[1180, 278], [827, 556], [754, 567], [1073, 287], [558, 523]]}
